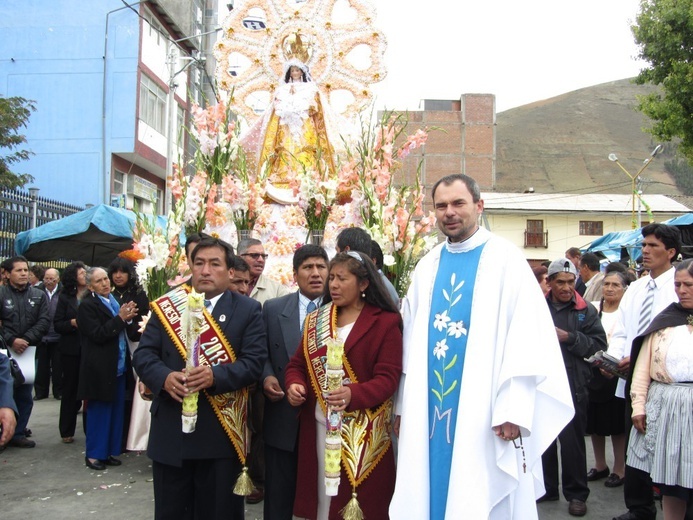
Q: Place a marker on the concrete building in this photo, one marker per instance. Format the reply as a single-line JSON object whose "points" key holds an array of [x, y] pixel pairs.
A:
{"points": [[112, 85]]}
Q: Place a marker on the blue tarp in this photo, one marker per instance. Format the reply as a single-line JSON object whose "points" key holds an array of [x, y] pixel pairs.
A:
{"points": [[610, 245], [94, 236]]}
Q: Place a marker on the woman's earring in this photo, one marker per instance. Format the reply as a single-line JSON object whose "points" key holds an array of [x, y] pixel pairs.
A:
{"points": [[363, 295]]}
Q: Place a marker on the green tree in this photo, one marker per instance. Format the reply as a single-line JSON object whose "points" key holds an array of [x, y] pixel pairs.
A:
{"points": [[14, 114], [664, 32]]}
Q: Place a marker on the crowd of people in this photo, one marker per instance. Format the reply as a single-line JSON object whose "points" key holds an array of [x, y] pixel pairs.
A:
{"points": [[478, 376]]}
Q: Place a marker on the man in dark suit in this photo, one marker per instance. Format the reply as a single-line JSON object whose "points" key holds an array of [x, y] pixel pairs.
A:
{"points": [[284, 317], [8, 410], [194, 473]]}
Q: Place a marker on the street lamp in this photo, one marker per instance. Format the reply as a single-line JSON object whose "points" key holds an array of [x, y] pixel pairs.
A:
{"points": [[33, 197], [634, 181]]}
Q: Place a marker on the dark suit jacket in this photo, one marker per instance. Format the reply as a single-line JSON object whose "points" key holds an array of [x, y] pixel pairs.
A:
{"points": [[98, 332], [156, 357], [281, 316], [65, 312], [6, 384]]}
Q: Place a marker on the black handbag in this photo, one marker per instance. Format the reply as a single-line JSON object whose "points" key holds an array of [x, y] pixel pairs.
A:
{"points": [[16, 372]]}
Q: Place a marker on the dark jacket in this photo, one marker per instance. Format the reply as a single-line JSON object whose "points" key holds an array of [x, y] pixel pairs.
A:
{"points": [[65, 312], [585, 337], [99, 331], [240, 319], [283, 338], [6, 384], [24, 314]]}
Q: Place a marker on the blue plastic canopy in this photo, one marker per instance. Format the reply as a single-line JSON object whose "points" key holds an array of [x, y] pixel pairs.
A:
{"points": [[95, 236]]}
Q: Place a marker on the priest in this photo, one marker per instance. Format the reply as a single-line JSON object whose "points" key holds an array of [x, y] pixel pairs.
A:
{"points": [[484, 390]]}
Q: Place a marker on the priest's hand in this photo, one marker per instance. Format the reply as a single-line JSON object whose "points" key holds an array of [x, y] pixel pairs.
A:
{"points": [[296, 394], [272, 389], [395, 425], [639, 422], [507, 431]]}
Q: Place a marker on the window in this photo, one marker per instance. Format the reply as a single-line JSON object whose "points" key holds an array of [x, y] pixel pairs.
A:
{"points": [[535, 236], [152, 104], [592, 227], [118, 183]]}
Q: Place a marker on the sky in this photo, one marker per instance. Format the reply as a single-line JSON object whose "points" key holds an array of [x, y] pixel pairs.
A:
{"points": [[520, 51]]}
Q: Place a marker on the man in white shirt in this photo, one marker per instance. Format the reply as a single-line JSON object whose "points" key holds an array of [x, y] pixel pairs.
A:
{"points": [[660, 247]]}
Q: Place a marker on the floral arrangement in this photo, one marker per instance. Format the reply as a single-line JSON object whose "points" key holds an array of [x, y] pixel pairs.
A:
{"points": [[157, 252], [392, 212], [317, 193]]}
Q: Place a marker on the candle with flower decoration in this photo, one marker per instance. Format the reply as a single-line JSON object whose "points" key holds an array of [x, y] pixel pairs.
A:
{"points": [[193, 319], [333, 422]]}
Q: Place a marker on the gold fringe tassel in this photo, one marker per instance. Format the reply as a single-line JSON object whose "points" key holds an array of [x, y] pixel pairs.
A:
{"points": [[244, 486], [352, 511]]}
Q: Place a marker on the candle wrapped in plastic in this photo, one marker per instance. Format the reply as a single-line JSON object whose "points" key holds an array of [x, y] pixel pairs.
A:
{"points": [[333, 418], [193, 318]]}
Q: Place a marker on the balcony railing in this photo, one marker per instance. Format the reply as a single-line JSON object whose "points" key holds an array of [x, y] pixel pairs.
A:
{"points": [[537, 239]]}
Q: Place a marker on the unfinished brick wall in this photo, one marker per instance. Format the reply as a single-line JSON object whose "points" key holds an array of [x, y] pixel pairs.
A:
{"points": [[464, 141]]}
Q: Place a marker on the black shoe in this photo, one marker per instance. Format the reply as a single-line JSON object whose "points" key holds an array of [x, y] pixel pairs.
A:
{"points": [[57, 397], [632, 516], [40, 397], [577, 508], [614, 481], [547, 498], [97, 464], [595, 474], [22, 442], [257, 496], [112, 461]]}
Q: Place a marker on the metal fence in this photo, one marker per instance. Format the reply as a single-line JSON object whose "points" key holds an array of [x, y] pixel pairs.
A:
{"points": [[17, 212]]}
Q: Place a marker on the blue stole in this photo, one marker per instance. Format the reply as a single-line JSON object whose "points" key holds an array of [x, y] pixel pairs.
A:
{"points": [[114, 307], [448, 328]]}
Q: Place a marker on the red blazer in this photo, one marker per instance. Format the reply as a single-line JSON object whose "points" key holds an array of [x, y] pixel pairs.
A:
{"points": [[374, 350]]}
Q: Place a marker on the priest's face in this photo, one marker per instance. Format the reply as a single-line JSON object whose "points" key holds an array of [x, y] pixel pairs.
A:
{"points": [[456, 211], [562, 287]]}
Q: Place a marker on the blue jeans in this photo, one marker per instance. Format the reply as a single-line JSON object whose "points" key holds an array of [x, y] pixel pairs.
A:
{"points": [[25, 403]]}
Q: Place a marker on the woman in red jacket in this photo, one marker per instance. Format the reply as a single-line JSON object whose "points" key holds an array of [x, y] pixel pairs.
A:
{"points": [[360, 313]]}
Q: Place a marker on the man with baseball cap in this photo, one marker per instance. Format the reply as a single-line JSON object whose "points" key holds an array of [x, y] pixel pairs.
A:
{"points": [[580, 334]]}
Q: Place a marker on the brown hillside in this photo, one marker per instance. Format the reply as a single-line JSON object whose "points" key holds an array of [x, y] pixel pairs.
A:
{"points": [[562, 144]]}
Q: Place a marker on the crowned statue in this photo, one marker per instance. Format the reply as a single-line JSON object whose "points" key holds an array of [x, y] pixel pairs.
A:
{"points": [[295, 72], [295, 134]]}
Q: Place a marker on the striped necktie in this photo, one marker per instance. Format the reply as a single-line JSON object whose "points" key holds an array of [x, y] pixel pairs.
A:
{"points": [[646, 310], [208, 305]]}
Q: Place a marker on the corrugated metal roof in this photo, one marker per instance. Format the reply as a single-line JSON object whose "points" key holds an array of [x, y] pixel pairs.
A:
{"points": [[568, 202]]}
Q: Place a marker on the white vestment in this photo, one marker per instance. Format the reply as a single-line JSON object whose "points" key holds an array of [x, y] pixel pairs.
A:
{"points": [[513, 372]]}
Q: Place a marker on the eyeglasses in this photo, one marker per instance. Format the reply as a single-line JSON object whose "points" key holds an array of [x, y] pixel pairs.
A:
{"points": [[255, 256]]}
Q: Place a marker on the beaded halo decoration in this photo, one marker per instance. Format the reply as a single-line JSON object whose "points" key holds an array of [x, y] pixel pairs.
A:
{"points": [[328, 37]]}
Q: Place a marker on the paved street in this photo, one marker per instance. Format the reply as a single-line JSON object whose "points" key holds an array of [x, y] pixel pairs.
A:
{"points": [[51, 480]]}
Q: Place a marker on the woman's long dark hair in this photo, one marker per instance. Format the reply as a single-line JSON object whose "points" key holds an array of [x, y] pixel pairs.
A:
{"points": [[126, 266], [69, 278], [364, 269]]}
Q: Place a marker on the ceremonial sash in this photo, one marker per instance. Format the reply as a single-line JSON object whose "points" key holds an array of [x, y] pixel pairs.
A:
{"points": [[365, 433], [231, 408]]}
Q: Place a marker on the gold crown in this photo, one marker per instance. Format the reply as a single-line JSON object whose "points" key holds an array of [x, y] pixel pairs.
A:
{"points": [[297, 46]]}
